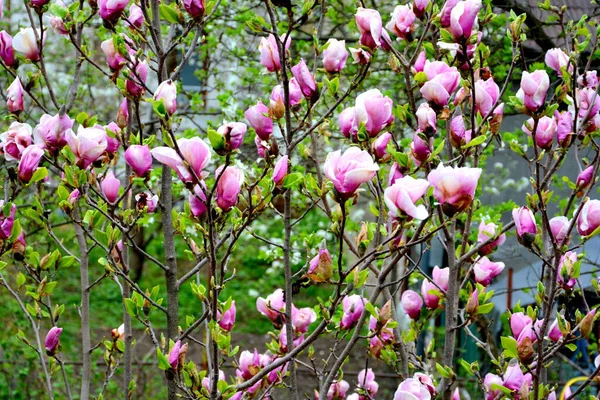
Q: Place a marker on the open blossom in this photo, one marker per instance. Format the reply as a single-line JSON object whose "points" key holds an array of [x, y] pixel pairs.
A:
{"points": [[402, 21], [544, 132], [25, 43], [335, 55], [146, 201], [557, 59], [534, 87], [233, 134], [454, 187], [52, 340], [88, 144], [412, 389], [258, 117], [412, 303], [588, 103], [110, 10], [14, 96], [442, 81], [338, 390], [139, 158], [589, 218], [371, 27], [374, 110], [486, 270], [15, 140], [50, 132], [565, 270], [195, 8], [360, 56], [366, 381], [229, 186], [269, 52], [401, 197], [30, 160], [110, 187], [353, 307], [487, 231], [349, 170], [589, 79], [305, 79], [525, 225], [463, 18], [6, 50], [195, 152], [272, 307], [489, 380], [167, 92], [302, 318]]}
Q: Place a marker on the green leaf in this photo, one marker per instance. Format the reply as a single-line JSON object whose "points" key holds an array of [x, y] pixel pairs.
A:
{"points": [[217, 141], [169, 13], [59, 11], [293, 179], [510, 347], [476, 142], [20, 279], [2, 265], [131, 307], [444, 372], [163, 360], [485, 308], [371, 309]]}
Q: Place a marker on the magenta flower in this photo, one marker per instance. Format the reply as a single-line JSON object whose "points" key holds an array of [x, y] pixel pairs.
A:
{"points": [[25, 43], [559, 227], [412, 303], [349, 170], [30, 160], [334, 56], [588, 103], [463, 18], [198, 201], [135, 85], [564, 127], [110, 187], [139, 159], [379, 146], [146, 201], [430, 294], [371, 27], [347, 123], [74, 197], [589, 218], [302, 318], [585, 178], [320, 266], [58, 26], [6, 50], [14, 96], [374, 110], [544, 133], [258, 117], [401, 197], [52, 340], [280, 170], [194, 151], [136, 16], [110, 10], [420, 62], [454, 187], [195, 8], [207, 380], [305, 79], [489, 380], [487, 231], [269, 52], [420, 148], [442, 81], [426, 118], [272, 307], [487, 93], [229, 186], [459, 136], [87, 145], [486, 270], [262, 147], [360, 56], [513, 378], [565, 270], [15, 140], [366, 381], [338, 390], [412, 389], [6, 221], [174, 354], [441, 276], [554, 332], [556, 59], [277, 100], [227, 320], [402, 21], [353, 307], [234, 133], [167, 92], [525, 225], [113, 58], [588, 79], [50, 132], [394, 174], [518, 322], [534, 87], [112, 143]]}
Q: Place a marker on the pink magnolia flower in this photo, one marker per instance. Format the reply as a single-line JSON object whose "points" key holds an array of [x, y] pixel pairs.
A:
{"points": [[110, 10], [513, 378], [412, 389], [258, 117], [112, 143], [123, 114], [420, 148], [430, 294], [283, 344], [194, 151], [442, 81], [135, 85], [14, 96], [6, 221], [588, 103], [280, 170], [353, 307], [366, 381], [589, 218], [525, 225], [463, 18], [278, 98], [371, 27], [110, 187], [349, 170], [347, 123], [136, 16], [419, 7], [52, 340], [229, 186], [227, 320], [379, 146], [559, 227], [556, 59], [565, 270], [50, 132], [58, 26], [87, 145], [487, 231], [454, 187], [251, 363], [459, 136], [360, 56], [441, 276], [272, 307], [167, 92], [302, 318], [320, 266], [234, 133], [518, 322], [544, 133], [262, 147], [139, 158], [174, 354], [30, 160], [487, 93], [420, 62], [426, 118], [305, 79], [412, 303], [585, 178], [334, 56], [338, 390], [269, 52], [394, 174], [374, 110], [554, 332], [401, 197], [486, 270], [197, 201], [402, 21], [564, 127], [146, 201], [589, 79], [489, 380], [15, 140], [534, 87], [445, 14], [113, 58], [74, 197], [206, 381], [6, 50], [25, 43], [195, 8]]}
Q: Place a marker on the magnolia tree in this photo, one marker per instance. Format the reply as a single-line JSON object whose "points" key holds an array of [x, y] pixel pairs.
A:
{"points": [[325, 136]]}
